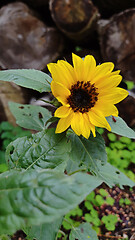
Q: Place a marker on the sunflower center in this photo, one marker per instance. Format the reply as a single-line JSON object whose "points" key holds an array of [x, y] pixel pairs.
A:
{"points": [[83, 96]]}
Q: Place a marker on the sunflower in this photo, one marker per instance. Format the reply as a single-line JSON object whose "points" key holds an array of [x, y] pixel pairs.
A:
{"points": [[87, 94]]}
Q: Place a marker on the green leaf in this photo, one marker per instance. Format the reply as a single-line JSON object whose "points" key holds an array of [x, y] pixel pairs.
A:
{"points": [[36, 197], [112, 176], [90, 155], [110, 221], [120, 127], [5, 237], [83, 232], [45, 230], [88, 152], [30, 116], [43, 150], [29, 78]]}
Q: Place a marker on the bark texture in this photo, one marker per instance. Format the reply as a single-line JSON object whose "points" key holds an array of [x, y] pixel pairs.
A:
{"points": [[117, 41], [76, 18], [26, 41]]}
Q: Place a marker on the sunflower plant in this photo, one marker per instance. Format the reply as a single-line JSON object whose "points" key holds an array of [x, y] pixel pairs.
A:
{"points": [[54, 169]]}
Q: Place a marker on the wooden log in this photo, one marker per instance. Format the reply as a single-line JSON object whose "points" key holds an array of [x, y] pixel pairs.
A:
{"points": [[75, 18], [36, 3], [127, 111], [10, 92], [32, 3], [108, 8], [26, 42], [117, 41]]}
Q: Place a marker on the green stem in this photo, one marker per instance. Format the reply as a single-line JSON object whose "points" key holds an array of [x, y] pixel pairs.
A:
{"points": [[79, 170], [62, 233], [50, 102]]}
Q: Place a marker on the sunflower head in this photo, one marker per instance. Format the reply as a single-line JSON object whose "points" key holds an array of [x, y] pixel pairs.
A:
{"points": [[87, 94]]}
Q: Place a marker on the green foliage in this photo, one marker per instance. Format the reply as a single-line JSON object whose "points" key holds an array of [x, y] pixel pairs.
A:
{"points": [[87, 152], [41, 151], [112, 176], [51, 173], [30, 116], [35, 197], [130, 84], [29, 78], [83, 232], [110, 221], [48, 230], [125, 201], [9, 133], [4, 237], [121, 154], [92, 217], [120, 127]]}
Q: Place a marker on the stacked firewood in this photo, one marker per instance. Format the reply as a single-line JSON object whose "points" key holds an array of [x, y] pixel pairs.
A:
{"points": [[36, 32]]}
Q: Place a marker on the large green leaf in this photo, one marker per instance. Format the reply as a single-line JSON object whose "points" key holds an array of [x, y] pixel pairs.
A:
{"points": [[83, 232], [44, 231], [30, 116], [43, 150], [90, 155], [107, 173], [119, 127], [35, 197], [87, 152], [112, 176], [29, 78]]}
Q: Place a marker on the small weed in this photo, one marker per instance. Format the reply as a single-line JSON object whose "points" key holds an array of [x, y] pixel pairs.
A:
{"points": [[9, 133], [121, 153], [110, 222]]}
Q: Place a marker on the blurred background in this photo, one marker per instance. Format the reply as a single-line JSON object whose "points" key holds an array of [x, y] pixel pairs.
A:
{"points": [[36, 32]]}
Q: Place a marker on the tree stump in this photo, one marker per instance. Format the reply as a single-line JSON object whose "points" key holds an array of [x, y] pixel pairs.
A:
{"points": [[10, 92], [117, 42], [75, 18], [36, 3], [26, 41], [109, 7]]}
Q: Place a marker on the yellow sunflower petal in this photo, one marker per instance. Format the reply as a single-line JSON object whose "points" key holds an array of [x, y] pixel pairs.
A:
{"points": [[114, 96], [104, 94], [59, 91], [115, 72], [63, 101], [108, 82], [63, 124], [78, 67], [75, 123], [56, 73], [62, 112], [92, 127], [102, 70], [67, 73], [85, 125], [89, 67], [107, 110], [98, 119], [61, 74]]}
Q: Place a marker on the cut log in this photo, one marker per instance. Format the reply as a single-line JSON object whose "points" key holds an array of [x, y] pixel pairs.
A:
{"points": [[36, 3], [127, 111], [10, 92], [117, 41], [75, 18], [108, 8], [26, 41]]}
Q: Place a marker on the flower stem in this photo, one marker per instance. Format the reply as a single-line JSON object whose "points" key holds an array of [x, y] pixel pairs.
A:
{"points": [[79, 170]]}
